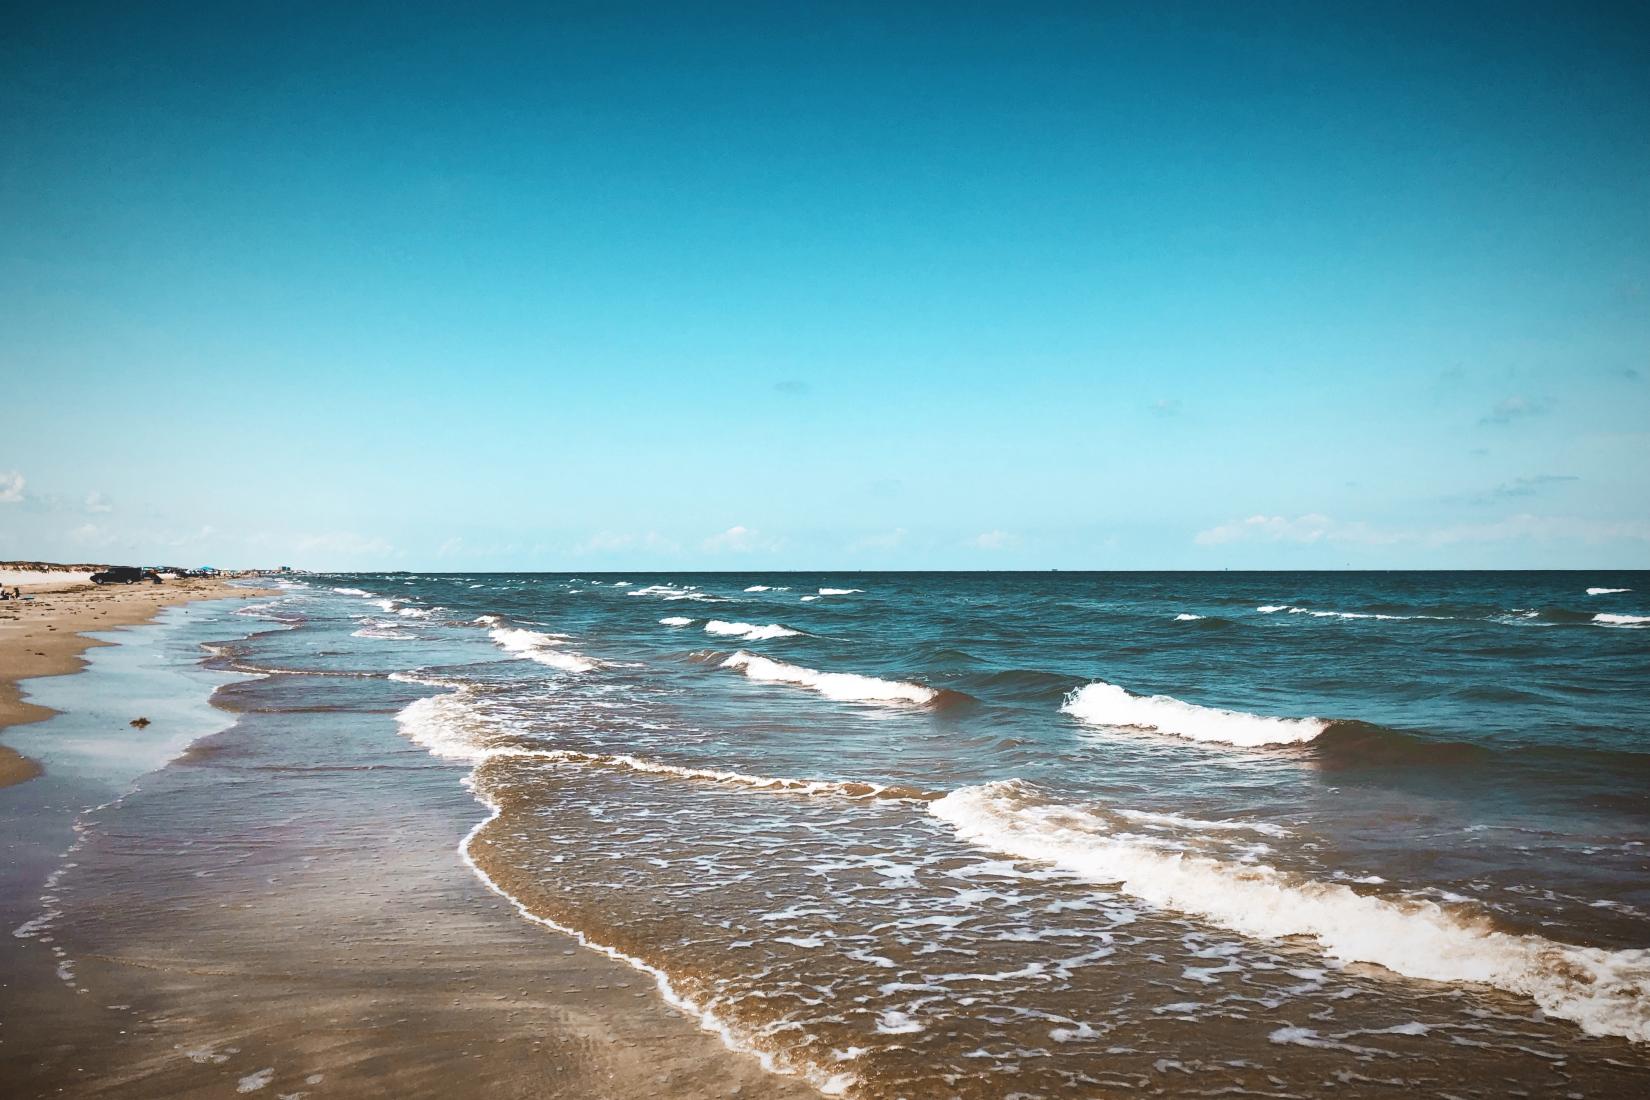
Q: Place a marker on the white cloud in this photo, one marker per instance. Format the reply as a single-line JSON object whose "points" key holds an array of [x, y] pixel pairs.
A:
{"points": [[739, 539], [608, 542], [11, 487], [95, 503], [1516, 407], [994, 540], [1261, 528], [885, 540], [1316, 528], [336, 542]]}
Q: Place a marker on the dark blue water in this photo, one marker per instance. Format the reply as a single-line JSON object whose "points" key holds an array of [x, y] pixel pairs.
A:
{"points": [[1427, 792]]}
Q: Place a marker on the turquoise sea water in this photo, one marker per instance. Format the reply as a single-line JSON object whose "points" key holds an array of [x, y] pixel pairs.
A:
{"points": [[924, 834]]}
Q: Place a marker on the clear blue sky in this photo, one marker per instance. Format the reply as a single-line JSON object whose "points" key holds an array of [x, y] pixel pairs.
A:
{"points": [[771, 286]]}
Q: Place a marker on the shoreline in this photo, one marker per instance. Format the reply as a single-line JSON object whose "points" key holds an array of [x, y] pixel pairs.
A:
{"points": [[281, 906], [48, 636]]}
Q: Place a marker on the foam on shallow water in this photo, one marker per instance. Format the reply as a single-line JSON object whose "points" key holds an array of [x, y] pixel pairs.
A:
{"points": [[1605, 992]]}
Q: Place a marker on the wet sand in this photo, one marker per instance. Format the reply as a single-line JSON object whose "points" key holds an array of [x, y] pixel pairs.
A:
{"points": [[43, 636], [281, 911]]}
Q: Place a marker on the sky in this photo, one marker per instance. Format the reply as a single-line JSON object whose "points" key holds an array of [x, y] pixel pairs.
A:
{"points": [[852, 286]]}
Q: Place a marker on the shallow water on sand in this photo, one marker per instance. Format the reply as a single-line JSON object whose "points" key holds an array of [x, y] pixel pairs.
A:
{"points": [[1025, 834]]}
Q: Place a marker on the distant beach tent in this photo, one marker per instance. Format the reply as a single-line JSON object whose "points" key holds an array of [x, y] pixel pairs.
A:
{"points": [[206, 570]]}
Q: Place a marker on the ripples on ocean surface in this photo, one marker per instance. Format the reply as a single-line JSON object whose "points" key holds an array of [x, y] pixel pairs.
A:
{"points": [[1037, 834]]}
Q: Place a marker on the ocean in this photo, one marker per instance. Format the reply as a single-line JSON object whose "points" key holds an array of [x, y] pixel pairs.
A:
{"points": [[1051, 834]]}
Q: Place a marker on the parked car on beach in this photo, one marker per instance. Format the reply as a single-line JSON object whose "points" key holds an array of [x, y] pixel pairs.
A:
{"points": [[119, 574]]}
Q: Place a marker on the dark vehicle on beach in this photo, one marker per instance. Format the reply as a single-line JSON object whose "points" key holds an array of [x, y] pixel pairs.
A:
{"points": [[118, 574]]}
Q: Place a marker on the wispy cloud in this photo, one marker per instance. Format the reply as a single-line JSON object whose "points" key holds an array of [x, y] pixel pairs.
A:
{"points": [[995, 540], [1166, 406], [97, 503], [740, 539], [11, 487], [883, 540], [340, 542], [1530, 486], [1312, 527], [1518, 407], [1317, 528], [611, 542]]}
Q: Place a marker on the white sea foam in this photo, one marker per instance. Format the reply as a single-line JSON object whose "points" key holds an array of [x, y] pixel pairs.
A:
{"points": [[533, 645], [839, 591], [809, 599], [376, 629], [1606, 591], [353, 592], [417, 612], [448, 726], [749, 631], [1605, 992], [1318, 613], [1104, 704], [842, 686], [830, 1084], [676, 620], [1197, 824], [1607, 619], [1186, 617], [757, 588]]}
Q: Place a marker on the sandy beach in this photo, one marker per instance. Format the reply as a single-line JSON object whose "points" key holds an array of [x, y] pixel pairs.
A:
{"points": [[43, 634], [279, 904]]}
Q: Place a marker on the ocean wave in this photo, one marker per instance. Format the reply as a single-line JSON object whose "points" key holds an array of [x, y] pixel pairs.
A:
{"points": [[451, 726], [758, 588], [1104, 704], [1606, 591], [809, 599], [839, 591], [677, 592], [533, 645], [852, 789], [1186, 617], [676, 620], [375, 629], [1200, 825], [1319, 613], [1542, 616], [1604, 992], [1608, 619], [750, 631], [828, 1084], [844, 687], [354, 592]]}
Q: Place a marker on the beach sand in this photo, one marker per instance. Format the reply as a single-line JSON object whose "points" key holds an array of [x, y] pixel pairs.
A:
{"points": [[42, 636], [281, 910]]}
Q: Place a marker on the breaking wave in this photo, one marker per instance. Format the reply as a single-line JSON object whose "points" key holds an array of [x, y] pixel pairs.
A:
{"points": [[1104, 704], [1318, 613], [1605, 992], [844, 687], [1606, 619], [839, 591], [750, 631], [676, 620], [1606, 591], [532, 645]]}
